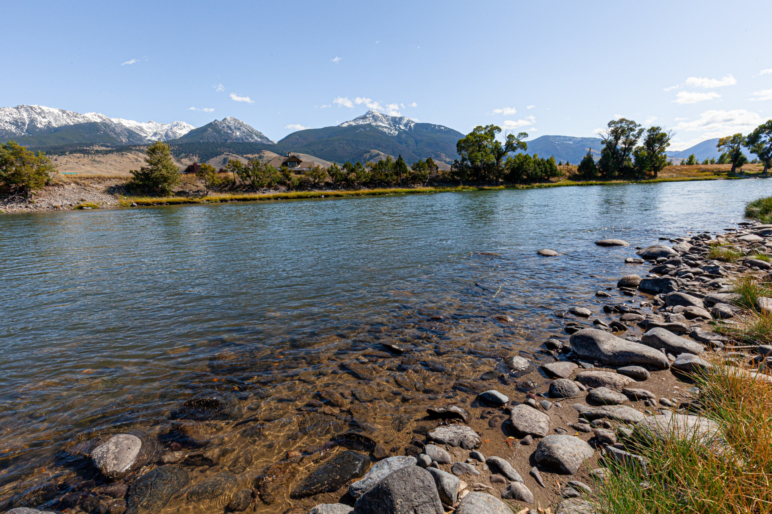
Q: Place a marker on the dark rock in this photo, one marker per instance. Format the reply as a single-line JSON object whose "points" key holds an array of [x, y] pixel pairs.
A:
{"points": [[635, 372], [607, 348], [449, 412], [447, 485], [409, 490], [152, 491], [656, 251], [333, 475], [690, 363], [240, 501], [273, 479], [661, 285], [629, 281], [638, 394], [660, 338], [580, 311], [207, 405], [378, 472], [462, 468], [221, 485], [612, 242], [722, 311], [517, 491], [494, 397]]}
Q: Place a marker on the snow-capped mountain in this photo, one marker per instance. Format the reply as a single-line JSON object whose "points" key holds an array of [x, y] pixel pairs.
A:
{"points": [[34, 120], [392, 125], [228, 130]]}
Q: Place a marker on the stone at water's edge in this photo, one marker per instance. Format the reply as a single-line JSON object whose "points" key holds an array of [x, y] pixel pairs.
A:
{"points": [[529, 421], [656, 251], [116, 457], [612, 242], [331, 476], [447, 485], [152, 491], [659, 338], [456, 435], [494, 397], [409, 490], [482, 503], [593, 344], [661, 285], [548, 253], [629, 281], [378, 472], [562, 453]]}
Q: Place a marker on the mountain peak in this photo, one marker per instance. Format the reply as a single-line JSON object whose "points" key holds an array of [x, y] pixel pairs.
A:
{"points": [[392, 125], [228, 129]]}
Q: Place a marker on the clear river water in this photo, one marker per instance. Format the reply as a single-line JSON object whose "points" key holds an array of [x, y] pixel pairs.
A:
{"points": [[110, 319]]}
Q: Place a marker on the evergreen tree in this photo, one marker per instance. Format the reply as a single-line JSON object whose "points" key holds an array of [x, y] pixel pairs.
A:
{"points": [[401, 169], [587, 168], [691, 160], [160, 176], [22, 170]]}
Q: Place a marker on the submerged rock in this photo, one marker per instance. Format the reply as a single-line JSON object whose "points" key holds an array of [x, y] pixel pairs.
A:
{"points": [[333, 475], [449, 412], [207, 405], [593, 344], [273, 479], [612, 242], [152, 491], [117, 456]]}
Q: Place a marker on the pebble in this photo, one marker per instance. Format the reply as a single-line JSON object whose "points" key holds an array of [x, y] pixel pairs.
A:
{"points": [[462, 468], [494, 397]]}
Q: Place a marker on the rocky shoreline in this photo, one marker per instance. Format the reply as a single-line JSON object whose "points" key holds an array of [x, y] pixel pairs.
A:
{"points": [[520, 446]]}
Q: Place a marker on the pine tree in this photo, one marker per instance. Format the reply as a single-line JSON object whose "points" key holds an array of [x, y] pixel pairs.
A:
{"points": [[587, 168], [160, 176]]}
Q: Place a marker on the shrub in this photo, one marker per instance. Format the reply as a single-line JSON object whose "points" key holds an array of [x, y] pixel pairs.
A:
{"points": [[725, 253], [160, 176], [23, 171], [760, 209], [207, 174]]}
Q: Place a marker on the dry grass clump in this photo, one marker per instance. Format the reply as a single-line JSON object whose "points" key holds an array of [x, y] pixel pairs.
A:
{"points": [[724, 253], [685, 475], [750, 289], [760, 209]]}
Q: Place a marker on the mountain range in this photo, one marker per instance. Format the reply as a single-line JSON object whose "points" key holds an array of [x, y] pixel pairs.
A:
{"points": [[371, 136]]}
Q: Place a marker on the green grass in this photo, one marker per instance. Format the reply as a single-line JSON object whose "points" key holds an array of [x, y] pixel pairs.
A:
{"points": [[87, 205], [723, 252], [750, 289], [754, 329], [684, 477], [760, 209], [761, 257]]}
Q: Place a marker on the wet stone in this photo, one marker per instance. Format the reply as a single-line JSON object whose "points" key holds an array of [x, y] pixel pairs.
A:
{"points": [[449, 412], [240, 501], [456, 435], [273, 479], [152, 491], [333, 475], [207, 405], [494, 397], [216, 490], [116, 457]]}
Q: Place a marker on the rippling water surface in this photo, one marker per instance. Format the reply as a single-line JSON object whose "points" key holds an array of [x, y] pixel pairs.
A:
{"points": [[113, 318]]}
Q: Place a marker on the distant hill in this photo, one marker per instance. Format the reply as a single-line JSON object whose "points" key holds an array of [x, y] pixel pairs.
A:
{"points": [[355, 140], [705, 150], [564, 148], [39, 126], [227, 130]]}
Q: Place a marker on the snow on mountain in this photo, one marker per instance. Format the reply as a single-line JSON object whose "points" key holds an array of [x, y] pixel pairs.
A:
{"points": [[27, 120], [392, 125], [228, 130]]}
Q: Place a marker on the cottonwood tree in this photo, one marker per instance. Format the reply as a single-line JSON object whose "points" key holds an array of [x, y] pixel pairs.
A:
{"points": [[160, 176], [482, 153], [733, 147], [759, 142], [619, 141], [651, 156], [22, 171]]}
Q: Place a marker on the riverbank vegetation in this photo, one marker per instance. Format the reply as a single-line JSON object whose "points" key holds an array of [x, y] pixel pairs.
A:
{"points": [[760, 209], [23, 171]]}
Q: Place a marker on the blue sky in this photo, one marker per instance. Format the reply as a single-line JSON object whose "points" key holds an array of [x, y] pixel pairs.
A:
{"points": [[702, 68]]}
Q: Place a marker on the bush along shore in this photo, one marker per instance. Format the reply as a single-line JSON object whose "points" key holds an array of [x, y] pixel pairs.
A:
{"points": [[658, 401]]}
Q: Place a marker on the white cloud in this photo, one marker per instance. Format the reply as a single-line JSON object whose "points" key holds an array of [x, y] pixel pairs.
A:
{"points": [[343, 102], [244, 99], [515, 124], [414, 104], [671, 88], [727, 80], [131, 61], [219, 88], [650, 120], [768, 71], [715, 123], [325, 106], [530, 107], [686, 97], [336, 60], [203, 109], [296, 126], [506, 111], [393, 110], [764, 94]]}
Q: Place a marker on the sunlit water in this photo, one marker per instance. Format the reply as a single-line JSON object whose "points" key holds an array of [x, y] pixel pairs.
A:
{"points": [[113, 318]]}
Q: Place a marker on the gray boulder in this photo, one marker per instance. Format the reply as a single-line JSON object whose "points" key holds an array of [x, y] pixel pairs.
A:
{"points": [[580, 311], [714, 298], [559, 369], [660, 338], [690, 363], [456, 435], [562, 453], [437, 454], [661, 285], [447, 485], [499, 465], [722, 311], [683, 299], [482, 503], [629, 281], [656, 251], [606, 396], [331, 508], [607, 379], [695, 312], [635, 372], [576, 506], [529, 421], [612, 242], [378, 472], [409, 490], [697, 429], [548, 253], [621, 413], [597, 345], [116, 457], [564, 388], [517, 491]]}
